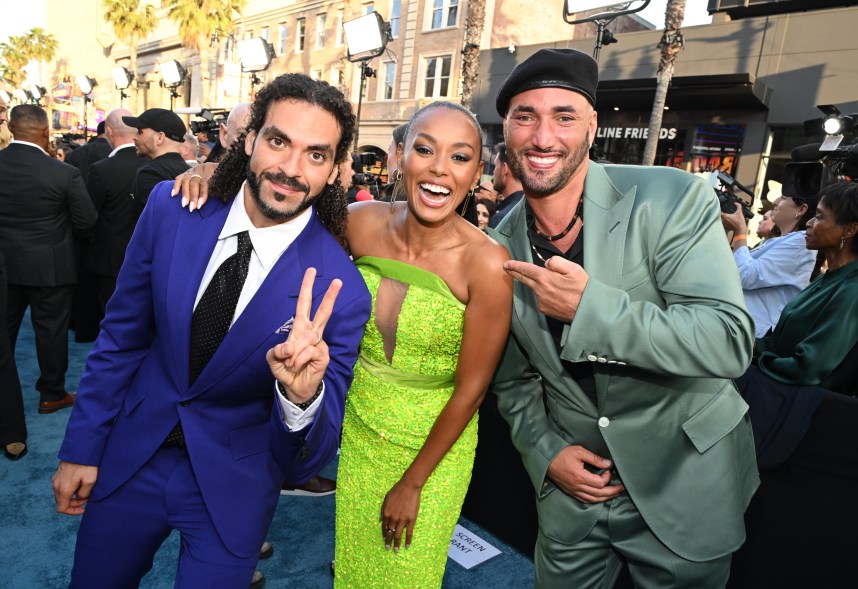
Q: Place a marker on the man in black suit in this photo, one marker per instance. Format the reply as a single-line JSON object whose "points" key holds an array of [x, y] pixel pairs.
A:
{"points": [[111, 185], [41, 200], [84, 157], [160, 134]]}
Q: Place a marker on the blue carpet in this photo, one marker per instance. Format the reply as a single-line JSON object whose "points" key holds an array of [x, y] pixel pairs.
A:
{"points": [[37, 544]]}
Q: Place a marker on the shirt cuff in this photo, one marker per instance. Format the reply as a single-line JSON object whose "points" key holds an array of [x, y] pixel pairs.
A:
{"points": [[293, 418]]}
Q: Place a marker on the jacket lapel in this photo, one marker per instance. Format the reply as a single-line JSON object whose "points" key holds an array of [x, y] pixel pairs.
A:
{"points": [[606, 219], [196, 236], [271, 307]]}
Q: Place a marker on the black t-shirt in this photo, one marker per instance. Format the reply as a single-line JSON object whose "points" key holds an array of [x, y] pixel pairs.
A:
{"points": [[581, 372]]}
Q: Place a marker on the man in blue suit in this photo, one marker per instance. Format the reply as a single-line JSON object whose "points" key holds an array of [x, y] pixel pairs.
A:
{"points": [[162, 440]]}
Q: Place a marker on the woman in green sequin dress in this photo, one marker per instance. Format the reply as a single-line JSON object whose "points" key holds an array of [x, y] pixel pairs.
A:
{"points": [[441, 313]]}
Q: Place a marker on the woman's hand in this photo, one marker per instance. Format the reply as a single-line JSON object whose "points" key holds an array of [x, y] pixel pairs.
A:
{"points": [[399, 514], [300, 362], [194, 185], [735, 221]]}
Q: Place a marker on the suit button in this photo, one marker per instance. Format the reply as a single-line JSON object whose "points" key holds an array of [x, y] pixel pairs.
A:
{"points": [[185, 403], [591, 358], [604, 422]]}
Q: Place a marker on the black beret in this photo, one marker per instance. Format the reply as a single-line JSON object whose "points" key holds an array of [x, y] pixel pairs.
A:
{"points": [[551, 68]]}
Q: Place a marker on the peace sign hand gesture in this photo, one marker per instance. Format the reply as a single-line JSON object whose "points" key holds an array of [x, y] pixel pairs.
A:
{"points": [[300, 362]]}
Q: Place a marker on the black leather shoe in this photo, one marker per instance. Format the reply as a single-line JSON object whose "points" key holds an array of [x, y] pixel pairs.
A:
{"points": [[15, 450], [315, 487], [257, 581], [53, 406]]}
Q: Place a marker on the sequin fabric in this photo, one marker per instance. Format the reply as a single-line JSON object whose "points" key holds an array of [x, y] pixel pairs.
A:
{"points": [[386, 423]]}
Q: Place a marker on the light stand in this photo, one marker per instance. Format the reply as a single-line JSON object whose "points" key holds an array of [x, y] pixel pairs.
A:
{"points": [[172, 76], [255, 55], [86, 85], [608, 11], [366, 38], [122, 79]]}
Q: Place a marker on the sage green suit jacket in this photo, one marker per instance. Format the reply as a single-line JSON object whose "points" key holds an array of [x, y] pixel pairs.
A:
{"points": [[663, 322]]}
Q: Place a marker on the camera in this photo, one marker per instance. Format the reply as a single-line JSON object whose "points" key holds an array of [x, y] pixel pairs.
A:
{"points": [[728, 199], [811, 169], [815, 166], [211, 119]]}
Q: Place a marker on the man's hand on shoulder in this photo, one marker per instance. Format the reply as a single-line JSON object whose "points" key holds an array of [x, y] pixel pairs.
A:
{"points": [[558, 287], [569, 472], [72, 485]]}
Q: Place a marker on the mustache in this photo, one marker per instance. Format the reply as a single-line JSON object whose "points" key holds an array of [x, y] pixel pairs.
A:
{"points": [[284, 180]]}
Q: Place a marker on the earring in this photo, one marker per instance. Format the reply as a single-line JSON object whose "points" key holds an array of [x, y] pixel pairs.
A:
{"points": [[842, 241], [796, 216], [467, 201], [397, 177]]}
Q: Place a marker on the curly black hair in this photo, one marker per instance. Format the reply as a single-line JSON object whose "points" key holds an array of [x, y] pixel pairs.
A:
{"points": [[331, 205]]}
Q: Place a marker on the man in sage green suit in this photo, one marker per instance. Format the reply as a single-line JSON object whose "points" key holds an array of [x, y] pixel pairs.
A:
{"points": [[616, 380]]}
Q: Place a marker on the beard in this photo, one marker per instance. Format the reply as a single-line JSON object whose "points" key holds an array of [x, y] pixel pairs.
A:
{"points": [[540, 183], [255, 182]]}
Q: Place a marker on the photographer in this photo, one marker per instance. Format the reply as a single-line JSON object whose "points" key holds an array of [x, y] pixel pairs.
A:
{"points": [[773, 273]]}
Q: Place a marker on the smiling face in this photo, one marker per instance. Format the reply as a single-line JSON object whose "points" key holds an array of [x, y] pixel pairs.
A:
{"points": [[291, 161], [440, 162], [548, 133], [787, 214], [482, 216]]}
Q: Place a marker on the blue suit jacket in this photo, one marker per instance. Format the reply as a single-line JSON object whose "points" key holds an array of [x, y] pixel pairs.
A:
{"points": [[135, 385]]}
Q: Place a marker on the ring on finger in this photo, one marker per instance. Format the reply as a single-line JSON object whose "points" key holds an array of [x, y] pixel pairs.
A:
{"points": [[318, 337], [390, 530], [196, 176]]}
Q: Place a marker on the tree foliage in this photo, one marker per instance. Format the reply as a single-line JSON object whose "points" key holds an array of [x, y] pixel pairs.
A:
{"points": [[197, 21], [131, 23]]}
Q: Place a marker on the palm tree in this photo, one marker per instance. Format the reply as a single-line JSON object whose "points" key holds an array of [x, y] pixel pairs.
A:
{"points": [[14, 56], [198, 20], [474, 22], [42, 47], [131, 23], [671, 44]]}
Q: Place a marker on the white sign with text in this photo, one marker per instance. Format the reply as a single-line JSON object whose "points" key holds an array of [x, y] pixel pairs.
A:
{"points": [[468, 549]]}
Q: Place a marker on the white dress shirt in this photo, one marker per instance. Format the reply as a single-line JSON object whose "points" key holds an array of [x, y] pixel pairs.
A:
{"points": [[269, 243], [772, 274]]}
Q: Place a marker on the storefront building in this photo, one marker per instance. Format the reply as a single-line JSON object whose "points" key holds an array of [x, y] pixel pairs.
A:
{"points": [[740, 96]]}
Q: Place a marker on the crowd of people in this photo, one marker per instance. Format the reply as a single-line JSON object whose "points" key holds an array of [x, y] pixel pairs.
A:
{"points": [[272, 316]]}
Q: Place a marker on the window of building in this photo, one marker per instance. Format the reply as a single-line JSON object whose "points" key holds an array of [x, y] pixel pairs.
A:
{"points": [[338, 78], [316, 74], [395, 9], [368, 7], [339, 40], [299, 38], [387, 77], [320, 31], [444, 13], [264, 33], [436, 76], [282, 32]]}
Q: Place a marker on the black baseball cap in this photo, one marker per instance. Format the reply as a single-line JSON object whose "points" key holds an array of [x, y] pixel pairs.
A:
{"points": [[160, 120], [551, 68]]}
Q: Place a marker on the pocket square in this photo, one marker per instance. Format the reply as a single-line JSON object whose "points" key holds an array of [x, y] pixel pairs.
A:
{"points": [[286, 327]]}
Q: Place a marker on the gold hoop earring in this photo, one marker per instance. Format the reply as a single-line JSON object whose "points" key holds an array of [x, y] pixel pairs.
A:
{"points": [[467, 201], [397, 178]]}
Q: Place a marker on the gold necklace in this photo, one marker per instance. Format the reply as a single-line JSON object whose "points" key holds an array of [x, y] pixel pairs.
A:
{"points": [[538, 255]]}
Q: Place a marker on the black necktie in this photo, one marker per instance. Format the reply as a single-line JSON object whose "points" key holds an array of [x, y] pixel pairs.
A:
{"points": [[213, 315], [212, 318]]}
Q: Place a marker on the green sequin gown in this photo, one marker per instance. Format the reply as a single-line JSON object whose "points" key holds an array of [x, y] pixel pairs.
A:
{"points": [[390, 410]]}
